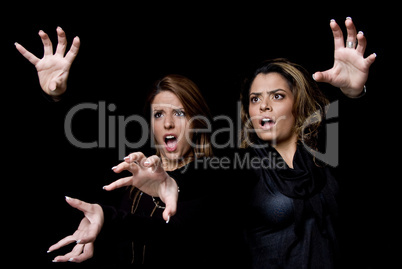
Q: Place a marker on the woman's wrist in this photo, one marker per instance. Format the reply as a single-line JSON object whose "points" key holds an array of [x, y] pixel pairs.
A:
{"points": [[361, 94]]}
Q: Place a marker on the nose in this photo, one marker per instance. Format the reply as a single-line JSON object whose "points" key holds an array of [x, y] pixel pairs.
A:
{"points": [[264, 105], [169, 122]]}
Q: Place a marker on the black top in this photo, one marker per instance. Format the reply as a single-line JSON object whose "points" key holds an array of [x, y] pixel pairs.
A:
{"points": [[257, 212], [207, 229], [292, 212]]}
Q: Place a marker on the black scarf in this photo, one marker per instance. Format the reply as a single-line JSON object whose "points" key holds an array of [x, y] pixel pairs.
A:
{"points": [[302, 183]]}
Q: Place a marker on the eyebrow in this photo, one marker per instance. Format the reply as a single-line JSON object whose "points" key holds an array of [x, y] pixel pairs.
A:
{"points": [[269, 92], [163, 109]]}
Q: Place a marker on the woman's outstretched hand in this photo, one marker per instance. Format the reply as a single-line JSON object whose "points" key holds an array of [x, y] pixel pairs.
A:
{"points": [[351, 69], [85, 234], [53, 69], [149, 176]]}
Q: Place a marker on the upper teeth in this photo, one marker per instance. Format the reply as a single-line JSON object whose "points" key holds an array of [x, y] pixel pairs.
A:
{"points": [[263, 121], [170, 137]]}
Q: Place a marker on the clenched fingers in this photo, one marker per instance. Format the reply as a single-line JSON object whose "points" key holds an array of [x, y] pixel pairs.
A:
{"points": [[135, 157], [80, 253], [123, 182]]}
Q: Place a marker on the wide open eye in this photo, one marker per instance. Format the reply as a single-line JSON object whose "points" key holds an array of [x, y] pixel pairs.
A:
{"points": [[157, 114], [179, 113], [254, 99], [278, 96]]}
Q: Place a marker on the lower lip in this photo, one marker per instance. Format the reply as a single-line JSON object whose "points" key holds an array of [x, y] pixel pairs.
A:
{"points": [[267, 126]]}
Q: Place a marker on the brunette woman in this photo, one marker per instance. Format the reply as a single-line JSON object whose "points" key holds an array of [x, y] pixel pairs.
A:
{"points": [[293, 209]]}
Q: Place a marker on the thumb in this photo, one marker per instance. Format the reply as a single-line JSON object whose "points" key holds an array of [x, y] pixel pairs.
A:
{"points": [[170, 210], [322, 76], [167, 214], [52, 85]]}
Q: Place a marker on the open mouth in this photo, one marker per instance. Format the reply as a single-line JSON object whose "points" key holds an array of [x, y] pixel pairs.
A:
{"points": [[267, 123], [170, 142]]}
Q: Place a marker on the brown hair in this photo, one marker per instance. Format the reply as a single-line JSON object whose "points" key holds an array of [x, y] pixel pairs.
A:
{"points": [[309, 101], [194, 105]]}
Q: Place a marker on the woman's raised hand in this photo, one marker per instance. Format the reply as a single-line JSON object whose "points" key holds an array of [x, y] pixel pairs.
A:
{"points": [[149, 176], [85, 234], [53, 69], [351, 69]]}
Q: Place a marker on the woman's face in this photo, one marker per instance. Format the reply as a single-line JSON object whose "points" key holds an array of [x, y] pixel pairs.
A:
{"points": [[170, 126], [270, 108]]}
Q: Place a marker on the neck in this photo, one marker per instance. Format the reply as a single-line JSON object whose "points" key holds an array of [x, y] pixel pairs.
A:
{"points": [[173, 164], [287, 150]]}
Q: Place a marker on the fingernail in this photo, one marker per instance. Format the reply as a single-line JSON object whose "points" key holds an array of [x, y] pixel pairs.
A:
{"points": [[168, 219], [147, 162], [361, 33], [375, 55], [67, 198], [71, 259], [114, 167], [313, 76], [332, 20], [127, 157], [348, 18], [78, 241], [48, 251]]}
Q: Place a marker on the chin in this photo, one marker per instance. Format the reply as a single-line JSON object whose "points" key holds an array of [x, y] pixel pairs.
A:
{"points": [[172, 155], [268, 137]]}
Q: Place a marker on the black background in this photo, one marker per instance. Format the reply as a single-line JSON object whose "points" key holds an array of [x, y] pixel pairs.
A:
{"points": [[126, 47]]}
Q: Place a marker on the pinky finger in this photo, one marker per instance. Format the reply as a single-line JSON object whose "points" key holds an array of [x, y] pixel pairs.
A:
{"points": [[75, 47], [370, 59]]}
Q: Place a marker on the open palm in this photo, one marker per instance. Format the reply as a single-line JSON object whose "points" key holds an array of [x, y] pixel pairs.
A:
{"points": [[351, 69], [53, 69], [85, 235]]}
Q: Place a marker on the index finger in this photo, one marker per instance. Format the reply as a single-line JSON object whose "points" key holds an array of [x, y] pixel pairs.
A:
{"points": [[63, 242], [78, 204], [338, 35]]}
